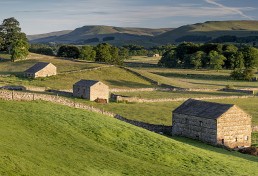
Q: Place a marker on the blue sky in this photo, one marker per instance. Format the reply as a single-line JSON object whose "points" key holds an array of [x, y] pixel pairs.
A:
{"points": [[41, 16]]}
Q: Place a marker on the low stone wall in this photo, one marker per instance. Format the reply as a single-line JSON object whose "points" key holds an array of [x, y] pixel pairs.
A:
{"points": [[120, 98], [239, 91], [25, 96], [151, 127], [140, 75], [86, 69]]}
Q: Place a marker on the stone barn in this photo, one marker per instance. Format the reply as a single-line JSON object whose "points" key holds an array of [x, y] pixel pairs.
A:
{"points": [[214, 123], [41, 69], [91, 90]]}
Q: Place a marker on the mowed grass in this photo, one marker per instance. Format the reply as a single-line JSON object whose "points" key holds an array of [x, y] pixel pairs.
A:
{"points": [[161, 112], [178, 94], [49, 139]]}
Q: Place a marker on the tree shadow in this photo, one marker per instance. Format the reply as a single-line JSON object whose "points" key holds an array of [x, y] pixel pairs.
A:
{"points": [[194, 76], [128, 84]]}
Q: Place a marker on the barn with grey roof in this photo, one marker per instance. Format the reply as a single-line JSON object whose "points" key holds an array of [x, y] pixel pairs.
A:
{"points": [[41, 69], [214, 123], [91, 90]]}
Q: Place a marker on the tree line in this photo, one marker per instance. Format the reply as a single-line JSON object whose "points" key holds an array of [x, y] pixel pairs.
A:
{"points": [[12, 40], [243, 60]]}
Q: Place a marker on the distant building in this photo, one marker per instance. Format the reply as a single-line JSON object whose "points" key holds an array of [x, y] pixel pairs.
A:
{"points": [[153, 55], [41, 69], [214, 123], [91, 90]]}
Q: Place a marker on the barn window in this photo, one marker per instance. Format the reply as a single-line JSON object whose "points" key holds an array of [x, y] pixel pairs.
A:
{"points": [[222, 141], [200, 123], [236, 139], [186, 121], [78, 89], [246, 138]]}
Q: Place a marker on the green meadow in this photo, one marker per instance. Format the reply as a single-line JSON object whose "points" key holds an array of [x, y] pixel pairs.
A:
{"points": [[40, 138]]}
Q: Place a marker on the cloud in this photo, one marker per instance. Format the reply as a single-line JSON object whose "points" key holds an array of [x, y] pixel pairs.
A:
{"points": [[225, 8]]}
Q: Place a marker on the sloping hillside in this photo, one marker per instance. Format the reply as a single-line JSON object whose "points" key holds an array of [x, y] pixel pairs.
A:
{"points": [[211, 29], [96, 34], [46, 35], [39, 138]]}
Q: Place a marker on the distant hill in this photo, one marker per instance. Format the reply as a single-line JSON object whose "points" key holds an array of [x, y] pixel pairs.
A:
{"points": [[51, 34], [209, 30], [97, 34]]}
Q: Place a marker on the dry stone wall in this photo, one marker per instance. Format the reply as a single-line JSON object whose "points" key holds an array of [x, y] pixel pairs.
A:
{"points": [[26, 96]]}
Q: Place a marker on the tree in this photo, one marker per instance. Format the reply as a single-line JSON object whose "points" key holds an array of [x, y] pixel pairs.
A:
{"points": [[216, 60], [250, 57], [19, 50], [13, 40], [196, 59], [87, 53], [169, 59], [123, 53], [103, 52], [69, 51]]}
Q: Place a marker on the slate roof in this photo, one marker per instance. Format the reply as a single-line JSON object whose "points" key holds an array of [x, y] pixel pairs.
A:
{"points": [[37, 67], [87, 83], [202, 109]]}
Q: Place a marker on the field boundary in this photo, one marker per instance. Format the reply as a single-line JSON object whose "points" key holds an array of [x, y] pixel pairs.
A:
{"points": [[26, 96]]}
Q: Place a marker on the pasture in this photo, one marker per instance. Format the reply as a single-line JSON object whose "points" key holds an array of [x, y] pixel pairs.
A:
{"points": [[50, 139]]}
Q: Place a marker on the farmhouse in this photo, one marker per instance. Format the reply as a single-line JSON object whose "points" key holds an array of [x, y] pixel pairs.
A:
{"points": [[41, 69], [153, 55], [214, 123], [91, 90]]}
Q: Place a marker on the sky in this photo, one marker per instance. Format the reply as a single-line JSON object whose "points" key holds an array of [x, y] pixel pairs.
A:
{"points": [[42, 16]]}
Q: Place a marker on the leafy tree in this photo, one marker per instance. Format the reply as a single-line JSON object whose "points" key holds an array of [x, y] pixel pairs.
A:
{"points": [[19, 50], [69, 51], [124, 53], [196, 59], [169, 59], [216, 60], [103, 52], [13, 40], [237, 60], [87, 53], [250, 57]]}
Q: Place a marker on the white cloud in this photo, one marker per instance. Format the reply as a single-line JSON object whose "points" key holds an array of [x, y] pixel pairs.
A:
{"points": [[232, 9]]}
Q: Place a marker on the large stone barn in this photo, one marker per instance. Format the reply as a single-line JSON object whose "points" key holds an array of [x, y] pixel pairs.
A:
{"points": [[41, 69], [214, 123], [91, 90]]}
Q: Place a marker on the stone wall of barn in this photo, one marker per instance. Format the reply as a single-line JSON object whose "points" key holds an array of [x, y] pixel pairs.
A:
{"points": [[49, 70], [99, 91], [195, 127], [234, 128], [81, 92]]}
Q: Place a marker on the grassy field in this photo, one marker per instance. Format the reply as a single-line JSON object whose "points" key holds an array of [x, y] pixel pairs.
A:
{"points": [[255, 139], [113, 76], [161, 113], [178, 94], [186, 78], [7, 67], [49, 139]]}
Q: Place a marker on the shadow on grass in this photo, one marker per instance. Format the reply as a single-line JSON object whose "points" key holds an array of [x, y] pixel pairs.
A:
{"points": [[194, 76], [208, 147], [140, 64], [223, 85], [128, 84]]}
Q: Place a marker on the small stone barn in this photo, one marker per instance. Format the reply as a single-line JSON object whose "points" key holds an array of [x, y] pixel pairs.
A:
{"points": [[91, 90], [41, 69], [214, 123]]}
